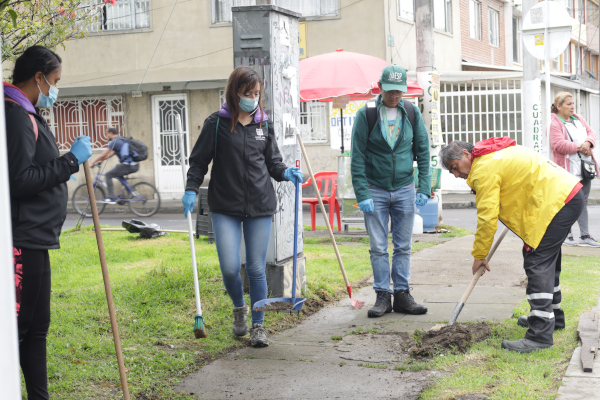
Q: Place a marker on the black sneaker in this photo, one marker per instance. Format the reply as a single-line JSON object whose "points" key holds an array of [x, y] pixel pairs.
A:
{"points": [[383, 305], [524, 345], [404, 303], [258, 336]]}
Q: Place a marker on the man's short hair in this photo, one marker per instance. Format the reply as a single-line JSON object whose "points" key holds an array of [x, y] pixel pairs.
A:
{"points": [[453, 151], [113, 131]]}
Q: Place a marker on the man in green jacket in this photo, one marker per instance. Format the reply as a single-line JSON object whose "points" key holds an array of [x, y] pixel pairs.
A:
{"points": [[382, 176]]}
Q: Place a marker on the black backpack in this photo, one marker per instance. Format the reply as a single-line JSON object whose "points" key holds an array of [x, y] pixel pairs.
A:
{"points": [[372, 114], [137, 149]]}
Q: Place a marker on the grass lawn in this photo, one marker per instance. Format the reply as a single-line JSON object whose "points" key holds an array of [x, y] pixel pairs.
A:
{"points": [[153, 292]]}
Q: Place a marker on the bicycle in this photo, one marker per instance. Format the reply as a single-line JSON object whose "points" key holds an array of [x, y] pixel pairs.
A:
{"points": [[143, 198]]}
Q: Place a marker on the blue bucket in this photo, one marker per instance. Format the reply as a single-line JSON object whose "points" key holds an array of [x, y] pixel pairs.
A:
{"points": [[429, 213]]}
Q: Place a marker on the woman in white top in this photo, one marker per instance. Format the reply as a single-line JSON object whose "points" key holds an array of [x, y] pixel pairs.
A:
{"points": [[571, 140]]}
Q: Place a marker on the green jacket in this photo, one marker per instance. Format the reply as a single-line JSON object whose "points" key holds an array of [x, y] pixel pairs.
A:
{"points": [[374, 162]]}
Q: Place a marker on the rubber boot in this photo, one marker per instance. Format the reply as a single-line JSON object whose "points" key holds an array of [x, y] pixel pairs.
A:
{"points": [[522, 321], [524, 345], [383, 305]]}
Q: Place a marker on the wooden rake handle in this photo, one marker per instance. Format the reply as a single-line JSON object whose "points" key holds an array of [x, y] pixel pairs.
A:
{"points": [[109, 298], [325, 217]]}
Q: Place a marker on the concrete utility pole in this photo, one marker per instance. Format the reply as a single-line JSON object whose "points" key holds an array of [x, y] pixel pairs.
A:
{"points": [[532, 95], [425, 66], [265, 37]]}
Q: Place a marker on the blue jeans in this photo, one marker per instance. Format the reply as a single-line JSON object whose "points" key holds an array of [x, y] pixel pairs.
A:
{"points": [[228, 238], [400, 205]]}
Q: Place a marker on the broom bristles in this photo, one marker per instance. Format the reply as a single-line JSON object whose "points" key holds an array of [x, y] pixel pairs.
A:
{"points": [[199, 329]]}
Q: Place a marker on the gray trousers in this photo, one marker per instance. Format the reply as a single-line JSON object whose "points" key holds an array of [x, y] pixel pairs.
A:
{"points": [[120, 170], [583, 218]]}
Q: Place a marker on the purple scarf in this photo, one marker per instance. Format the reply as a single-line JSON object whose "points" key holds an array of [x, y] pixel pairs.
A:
{"points": [[16, 94]]}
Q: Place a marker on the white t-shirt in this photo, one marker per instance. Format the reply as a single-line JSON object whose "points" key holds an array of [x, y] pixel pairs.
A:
{"points": [[578, 134]]}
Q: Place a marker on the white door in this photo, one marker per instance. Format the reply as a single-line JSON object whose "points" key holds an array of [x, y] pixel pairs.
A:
{"points": [[167, 167]]}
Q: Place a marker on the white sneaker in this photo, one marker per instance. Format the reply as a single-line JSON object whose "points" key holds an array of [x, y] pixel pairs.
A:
{"points": [[569, 241], [588, 241]]}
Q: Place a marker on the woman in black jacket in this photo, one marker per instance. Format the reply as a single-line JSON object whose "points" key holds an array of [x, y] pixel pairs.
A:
{"points": [[241, 143], [38, 200]]}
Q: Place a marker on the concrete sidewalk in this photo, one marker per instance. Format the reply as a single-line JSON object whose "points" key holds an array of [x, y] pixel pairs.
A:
{"points": [[305, 363]]}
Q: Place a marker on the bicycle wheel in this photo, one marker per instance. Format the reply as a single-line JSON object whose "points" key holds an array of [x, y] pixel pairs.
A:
{"points": [[81, 200], [144, 200]]}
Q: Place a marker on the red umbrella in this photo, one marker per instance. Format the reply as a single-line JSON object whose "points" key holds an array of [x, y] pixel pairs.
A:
{"points": [[343, 73]]}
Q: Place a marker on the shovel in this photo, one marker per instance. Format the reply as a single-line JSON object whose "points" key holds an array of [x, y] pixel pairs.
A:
{"points": [[283, 303], [476, 277]]}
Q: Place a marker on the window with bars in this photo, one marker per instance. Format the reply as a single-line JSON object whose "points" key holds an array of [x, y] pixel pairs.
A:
{"points": [[475, 19], [567, 59], [123, 15], [516, 29], [494, 27], [592, 14], [442, 15], [314, 121], [477, 110], [221, 9], [70, 118], [406, 9], [581, 11]]}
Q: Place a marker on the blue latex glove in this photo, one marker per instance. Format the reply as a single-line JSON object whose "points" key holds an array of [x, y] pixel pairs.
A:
{"points": [[421, 199], [188, 200], [293, 174], [367, 206], [82, 149]]}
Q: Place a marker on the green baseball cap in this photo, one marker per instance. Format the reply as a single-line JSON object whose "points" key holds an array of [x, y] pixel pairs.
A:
{"points": [[393, 77]]}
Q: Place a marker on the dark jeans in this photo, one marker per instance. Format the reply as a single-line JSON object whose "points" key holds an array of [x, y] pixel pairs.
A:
{"points": [[542, 266], [583, 218], [32, 281], [119, 171]]}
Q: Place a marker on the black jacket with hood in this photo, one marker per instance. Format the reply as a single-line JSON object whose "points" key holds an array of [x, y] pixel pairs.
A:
{"points": [[37, 177], [243, 163]]}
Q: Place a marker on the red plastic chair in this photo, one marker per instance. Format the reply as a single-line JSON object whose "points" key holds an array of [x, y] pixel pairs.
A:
{"points": [[327, 184]]}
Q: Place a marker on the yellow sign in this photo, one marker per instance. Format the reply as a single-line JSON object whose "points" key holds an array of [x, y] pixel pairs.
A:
{"points": [[303, 27], [539, 39]]}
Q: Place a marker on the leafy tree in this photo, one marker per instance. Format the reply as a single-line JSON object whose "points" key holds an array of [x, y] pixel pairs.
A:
{"points": [[49, 23]]}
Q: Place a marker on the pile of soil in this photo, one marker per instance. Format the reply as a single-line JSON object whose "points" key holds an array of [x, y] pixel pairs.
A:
{"points": [[275, 306], [454, 338]]}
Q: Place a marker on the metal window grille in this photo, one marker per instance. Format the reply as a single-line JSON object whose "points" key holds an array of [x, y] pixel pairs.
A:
{"points": [[494, 30], [406, 9], [308, 8], [124, 15], [314, 118], [70, 118], [475, 19], [477, 110], [442, 15]]}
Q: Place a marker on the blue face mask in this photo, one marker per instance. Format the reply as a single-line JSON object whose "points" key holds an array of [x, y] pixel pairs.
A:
{"points": [[44, 101], [247, 104]]}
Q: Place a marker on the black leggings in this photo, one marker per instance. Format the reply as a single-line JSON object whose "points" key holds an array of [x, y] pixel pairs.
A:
{"points": [[32, 281]]}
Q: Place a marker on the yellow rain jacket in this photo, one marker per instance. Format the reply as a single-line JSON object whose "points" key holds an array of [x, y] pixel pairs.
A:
{"points": [[521, 188]]}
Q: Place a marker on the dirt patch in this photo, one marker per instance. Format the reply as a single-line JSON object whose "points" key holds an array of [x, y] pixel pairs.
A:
{"points": [[389, 347], [454, 338], [472, 396], [275, 306]]}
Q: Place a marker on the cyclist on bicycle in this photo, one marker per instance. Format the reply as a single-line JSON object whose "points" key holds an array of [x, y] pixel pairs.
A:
{"points": [[116, 145]]}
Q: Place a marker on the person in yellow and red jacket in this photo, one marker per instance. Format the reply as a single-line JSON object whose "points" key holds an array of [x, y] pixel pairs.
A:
{"points": [[537, 200]]}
